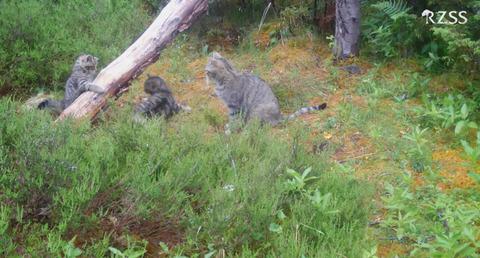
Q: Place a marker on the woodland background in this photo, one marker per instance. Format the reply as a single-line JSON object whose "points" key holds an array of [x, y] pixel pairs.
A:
{"points": [[390, 169]]}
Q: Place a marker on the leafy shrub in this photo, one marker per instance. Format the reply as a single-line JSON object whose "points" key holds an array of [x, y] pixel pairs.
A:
{"points": [[437, 223], [390, 30], [460, 50], [39, 40], [294, 18], [419, 152], [472, 152], [450, 111], [394, 28]]}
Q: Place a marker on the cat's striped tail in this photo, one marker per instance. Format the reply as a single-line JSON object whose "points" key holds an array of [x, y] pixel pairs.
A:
{"points": [[56, 106], [305, 110]]}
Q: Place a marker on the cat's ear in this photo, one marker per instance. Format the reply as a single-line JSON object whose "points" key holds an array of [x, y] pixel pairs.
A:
{"points": [[89, 58], [96, 59]]}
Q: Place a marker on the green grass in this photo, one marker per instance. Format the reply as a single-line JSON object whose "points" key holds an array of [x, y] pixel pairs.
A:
{"points": [[423, 218], [179, 172], [40, 40], [309, 188]]}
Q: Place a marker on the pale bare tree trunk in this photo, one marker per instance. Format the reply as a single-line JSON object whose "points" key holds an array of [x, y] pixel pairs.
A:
{"points": [[347, 28], [176, 17]]}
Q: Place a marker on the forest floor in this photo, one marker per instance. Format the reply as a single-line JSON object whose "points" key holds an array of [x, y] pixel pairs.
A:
{"points": [[363, 129], [383, 185]]}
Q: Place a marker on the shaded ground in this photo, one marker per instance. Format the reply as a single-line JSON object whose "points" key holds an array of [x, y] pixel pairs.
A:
{"points": [[119, 221]]}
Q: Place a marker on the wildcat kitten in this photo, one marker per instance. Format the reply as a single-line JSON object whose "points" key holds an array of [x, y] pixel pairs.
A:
{"points": [[83, 73], [247, 95], [160, 102]]}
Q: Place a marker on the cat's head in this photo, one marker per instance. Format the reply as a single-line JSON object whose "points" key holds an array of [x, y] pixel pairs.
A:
{"points": [[155, 84], [87, 63], [218, 68]]}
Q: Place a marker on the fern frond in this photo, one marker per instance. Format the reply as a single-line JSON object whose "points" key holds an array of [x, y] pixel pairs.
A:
{"points": [[392, 8]]}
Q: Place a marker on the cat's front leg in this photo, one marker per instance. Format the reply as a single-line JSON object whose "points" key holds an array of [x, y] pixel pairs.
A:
{"points": [[95, 88], [234, 122], [227, 129]]}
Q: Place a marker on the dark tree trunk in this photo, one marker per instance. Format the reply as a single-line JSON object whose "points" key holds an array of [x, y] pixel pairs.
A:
{"points": [[324, 15], [347, 28]]}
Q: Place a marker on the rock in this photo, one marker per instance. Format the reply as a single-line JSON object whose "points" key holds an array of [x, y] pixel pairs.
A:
{"points": [[351, 69]]}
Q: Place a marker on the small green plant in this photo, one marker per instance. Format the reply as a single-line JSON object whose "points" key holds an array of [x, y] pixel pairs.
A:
{"points": [[419, 153], [473, 154], [372, 253], [70, 251], [165, 248], [417, 136], [275, 228], [454, 244], [418, 84], [129, 253], [401, 217], [451, 111], [134, 250], [331, 41], [322, 202], [298, 181], [463, 121]]}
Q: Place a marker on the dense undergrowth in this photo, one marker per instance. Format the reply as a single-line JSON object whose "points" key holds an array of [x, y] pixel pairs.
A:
{"points": [[390, 169], [232, 193], [39, 40]]}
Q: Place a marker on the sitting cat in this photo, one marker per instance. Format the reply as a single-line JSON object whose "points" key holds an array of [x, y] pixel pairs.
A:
{"points": [[160, 102], [247, 95], [83, 73]]}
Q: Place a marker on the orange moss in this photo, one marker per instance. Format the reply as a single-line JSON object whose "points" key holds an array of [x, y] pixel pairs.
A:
{"points": [[391, 249], [418, 181], [261, 39], [285, 57], [197, 66], [453, 168]]}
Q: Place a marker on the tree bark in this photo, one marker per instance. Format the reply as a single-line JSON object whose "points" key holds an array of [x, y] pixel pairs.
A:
{"points": [[176, 17], [347, 28]]}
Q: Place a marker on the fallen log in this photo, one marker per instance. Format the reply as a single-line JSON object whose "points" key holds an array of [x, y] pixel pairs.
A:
{"points": [[176, 17]]}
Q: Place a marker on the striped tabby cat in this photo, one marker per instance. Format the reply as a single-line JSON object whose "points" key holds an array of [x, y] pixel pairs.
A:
{"points": [[83, 73], [247, 95], [160, 102]]}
